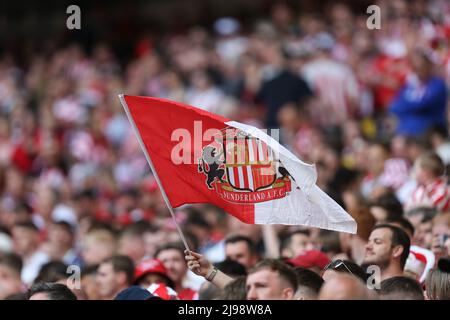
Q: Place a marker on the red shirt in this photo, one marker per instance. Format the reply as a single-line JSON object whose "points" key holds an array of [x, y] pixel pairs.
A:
{"points": [[394, 69], [187, 294]]}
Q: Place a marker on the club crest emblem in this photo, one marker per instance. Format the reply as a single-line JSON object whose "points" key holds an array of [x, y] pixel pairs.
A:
{"points": [[243, 169]]}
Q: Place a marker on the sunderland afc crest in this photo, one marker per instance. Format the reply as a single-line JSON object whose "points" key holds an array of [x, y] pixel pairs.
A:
{"points": [[243, 169]]}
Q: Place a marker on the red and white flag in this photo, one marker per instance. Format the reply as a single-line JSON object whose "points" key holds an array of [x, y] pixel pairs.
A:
{"points": [[201, 157]]}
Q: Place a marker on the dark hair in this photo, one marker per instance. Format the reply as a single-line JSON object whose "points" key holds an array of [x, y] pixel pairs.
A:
{"points": [[196, 218], [5, 230], [27, 225], [65, 225], [121, 263], [102, 225], [422, 142], [390, 203], [52, 271], [330, 241], [399, 238], [344, 178], [23, 207], [401, 288], [427, 212], [444, 265], [89, 194], [231, 267], [17, 296], [285, 271], [437, 129], [241, 238], [136, 229], [191, 239], [309, 280], [349, 267], [12, 261], [287, 239], [170, 246], [90, 269], [403, 222], [55, 291]]}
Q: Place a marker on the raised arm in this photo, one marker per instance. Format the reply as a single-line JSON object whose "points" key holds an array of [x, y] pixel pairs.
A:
{"points": [[201, 266]]}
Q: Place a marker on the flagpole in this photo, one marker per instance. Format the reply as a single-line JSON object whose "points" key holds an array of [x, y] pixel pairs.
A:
{"points": [[147, 156]]}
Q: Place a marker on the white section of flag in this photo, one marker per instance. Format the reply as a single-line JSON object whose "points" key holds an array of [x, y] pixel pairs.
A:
{"points": [[241, 177], [251, 153], [307, 205], [231, 176], [294, 166], [261, 156], [250, 176]]}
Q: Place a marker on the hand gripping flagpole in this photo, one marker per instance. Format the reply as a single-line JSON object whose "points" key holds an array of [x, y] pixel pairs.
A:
{"points": [[155, 174]]}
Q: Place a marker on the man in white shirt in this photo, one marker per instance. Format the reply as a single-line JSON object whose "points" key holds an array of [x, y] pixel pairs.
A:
{"points": [[27, 244]]}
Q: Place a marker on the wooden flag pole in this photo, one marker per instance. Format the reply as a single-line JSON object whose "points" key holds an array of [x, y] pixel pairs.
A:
{"points": [[155, 174]]}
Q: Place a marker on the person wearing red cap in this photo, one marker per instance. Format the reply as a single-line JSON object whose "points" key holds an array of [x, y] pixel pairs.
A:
{"points": [[150, 271], [172, 257], [313, 259], [296, 243]]}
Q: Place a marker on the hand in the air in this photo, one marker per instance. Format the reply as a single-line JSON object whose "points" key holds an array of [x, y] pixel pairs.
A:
{"points": [[198, 264]]}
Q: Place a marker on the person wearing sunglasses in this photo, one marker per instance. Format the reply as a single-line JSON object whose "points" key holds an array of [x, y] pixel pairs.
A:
{"points": [[343, 266]]}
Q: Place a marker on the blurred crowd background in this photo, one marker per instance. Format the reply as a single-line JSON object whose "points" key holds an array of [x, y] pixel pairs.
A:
{"points": [[368, 107]]}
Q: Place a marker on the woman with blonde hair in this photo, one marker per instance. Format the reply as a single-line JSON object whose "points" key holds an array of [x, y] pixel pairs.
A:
{"points": [[438, 281]]}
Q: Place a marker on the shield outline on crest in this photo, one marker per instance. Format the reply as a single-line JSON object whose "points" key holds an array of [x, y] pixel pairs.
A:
{"points": [[256, 166]]}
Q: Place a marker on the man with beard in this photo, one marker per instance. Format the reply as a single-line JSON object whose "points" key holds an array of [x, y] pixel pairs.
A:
{"points": [[388, 248]]}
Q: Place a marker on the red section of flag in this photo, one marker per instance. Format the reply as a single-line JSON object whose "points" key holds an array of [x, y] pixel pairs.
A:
{"points": [[157, 120]]}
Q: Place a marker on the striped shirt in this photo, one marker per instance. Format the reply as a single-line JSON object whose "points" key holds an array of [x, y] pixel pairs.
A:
{"points": [[395, 174], [435, 194]]}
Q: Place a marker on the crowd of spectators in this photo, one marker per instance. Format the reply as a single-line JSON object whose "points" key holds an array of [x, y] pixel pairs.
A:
{"points": [[80, 209]]}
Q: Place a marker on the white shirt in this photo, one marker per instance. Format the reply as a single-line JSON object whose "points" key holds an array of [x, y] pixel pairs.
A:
{"points": [[335, 84], [32, 266], [211, 99]]}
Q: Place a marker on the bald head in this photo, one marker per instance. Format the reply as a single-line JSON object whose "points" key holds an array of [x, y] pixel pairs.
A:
{"points": [[344, 287]]}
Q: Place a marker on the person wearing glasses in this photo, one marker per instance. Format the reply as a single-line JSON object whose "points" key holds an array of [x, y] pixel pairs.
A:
{"points": [[339, 266]]}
